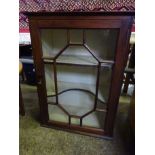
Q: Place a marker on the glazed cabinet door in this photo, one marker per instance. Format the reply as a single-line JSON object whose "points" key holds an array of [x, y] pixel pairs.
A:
{"points": [[79, 66]]}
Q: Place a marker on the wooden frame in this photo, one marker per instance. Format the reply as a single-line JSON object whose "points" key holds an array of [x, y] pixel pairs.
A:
{"points": [[97, 20]]}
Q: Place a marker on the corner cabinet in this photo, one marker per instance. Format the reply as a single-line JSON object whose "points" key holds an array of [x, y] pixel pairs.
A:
{"points": [[79, 59]]}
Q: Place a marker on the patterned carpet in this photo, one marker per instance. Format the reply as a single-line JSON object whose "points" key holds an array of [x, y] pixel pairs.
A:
{"points": [[71, 5], [37, 140]]}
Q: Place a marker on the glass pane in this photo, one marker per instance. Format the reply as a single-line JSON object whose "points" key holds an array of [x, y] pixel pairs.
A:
{"points": [[104, 83], [76, 36], [75, 121], [103, 42], [56, 114], [76, 102], [100, 41], [53, 40], [77, 84], [49, 78], [101, 105], [95, 119], [71, 77], [77, 55], [51, 99]]}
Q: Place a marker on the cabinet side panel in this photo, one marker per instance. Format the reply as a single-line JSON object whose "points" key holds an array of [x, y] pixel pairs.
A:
{"points": [[39, 67], [117, 75]]}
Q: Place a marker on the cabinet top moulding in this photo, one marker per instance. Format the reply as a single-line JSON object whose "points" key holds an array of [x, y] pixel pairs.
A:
{"points": [[80, 13], [79, 19], [90, 19]]}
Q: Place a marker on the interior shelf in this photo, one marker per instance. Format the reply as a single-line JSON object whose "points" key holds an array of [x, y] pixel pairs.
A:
{"points": [[69, 77], [78, 60], [62, 86]]}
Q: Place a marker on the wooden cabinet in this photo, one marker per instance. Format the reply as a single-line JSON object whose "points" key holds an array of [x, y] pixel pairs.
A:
{"points": [[79, 60]]}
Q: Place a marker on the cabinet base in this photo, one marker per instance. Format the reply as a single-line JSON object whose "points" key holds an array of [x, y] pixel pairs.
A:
{"points": [[98, 133]]}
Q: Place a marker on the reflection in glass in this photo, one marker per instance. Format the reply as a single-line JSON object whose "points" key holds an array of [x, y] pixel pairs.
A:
{"points": [[56, 114], [76, 36], [75, 121], [49, 79], [77, 102], [95, 119], [102, 42], [53, 40]]}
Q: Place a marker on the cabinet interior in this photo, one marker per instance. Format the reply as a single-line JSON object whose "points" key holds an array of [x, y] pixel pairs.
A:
{"points": [[78, 68]]}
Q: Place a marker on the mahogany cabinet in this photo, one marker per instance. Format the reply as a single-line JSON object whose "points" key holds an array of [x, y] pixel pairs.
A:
{"points": [[79, 59]]}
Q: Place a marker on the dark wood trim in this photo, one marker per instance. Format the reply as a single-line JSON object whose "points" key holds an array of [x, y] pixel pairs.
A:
{"points": [[77, 129], [117, 75], [82, 13], [97, 84], [53, 126], [77, 23], [55, 81], [76, 89], [39, 68]]}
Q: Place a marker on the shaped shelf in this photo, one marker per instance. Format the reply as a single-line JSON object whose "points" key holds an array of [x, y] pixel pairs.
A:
{"points": [[88, 88], [77, 60]]}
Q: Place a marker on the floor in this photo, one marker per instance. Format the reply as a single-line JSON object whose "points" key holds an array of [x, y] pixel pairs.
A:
{"points": [[37, 140]]}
